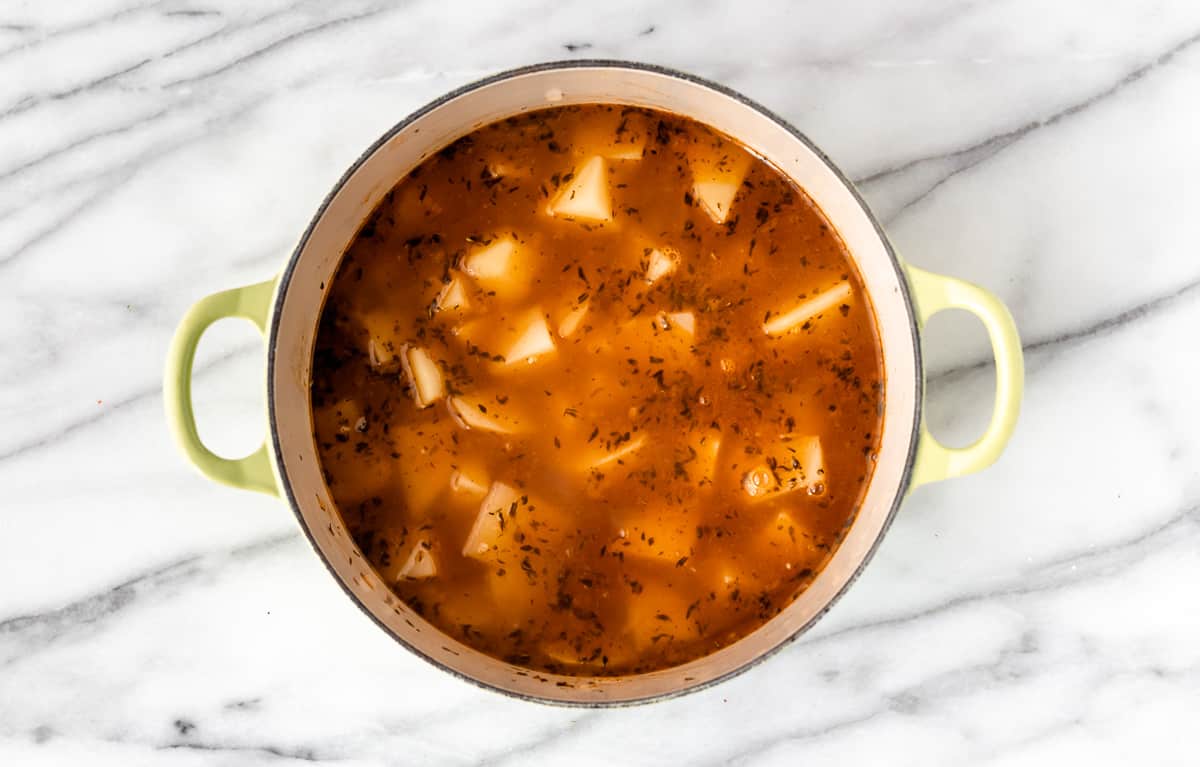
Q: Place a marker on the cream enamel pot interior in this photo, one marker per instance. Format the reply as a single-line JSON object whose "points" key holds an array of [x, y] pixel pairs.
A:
{"points": [[286, 310]]}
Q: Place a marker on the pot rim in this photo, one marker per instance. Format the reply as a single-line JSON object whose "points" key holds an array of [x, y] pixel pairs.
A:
{"points": [[284, 280]]}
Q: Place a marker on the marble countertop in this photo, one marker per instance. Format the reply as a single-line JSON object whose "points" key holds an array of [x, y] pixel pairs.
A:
{"points": [[1045, 611]]}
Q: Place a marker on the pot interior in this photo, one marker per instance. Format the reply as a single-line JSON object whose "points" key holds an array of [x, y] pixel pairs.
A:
{"points": [[301, 296]]}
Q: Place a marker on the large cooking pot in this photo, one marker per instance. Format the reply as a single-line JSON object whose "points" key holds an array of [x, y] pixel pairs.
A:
{"points": [[286, 309]]}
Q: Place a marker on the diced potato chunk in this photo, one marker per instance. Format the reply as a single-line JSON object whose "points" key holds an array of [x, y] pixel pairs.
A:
{"points": [[453, 297], [514, 596], [653, 341], [617, 135], [510, 528], [507, 170], [655, 536], [487, 533], [572, 320], [704, 447], [685, 321], [473, 413], [469, 481], [491, 262], [798, 464], [477, 332], [383, 341], [561, 651], [716, 197], [424, 376], [760, 482], [422, 467], [342, 417], [502, 267], [631, 149], [586, 196], [660, 263], [788, 547], [420, 563], [415, 207], [658, 616], [534, 341], [604, 461], [807, 310], [715, 183]]}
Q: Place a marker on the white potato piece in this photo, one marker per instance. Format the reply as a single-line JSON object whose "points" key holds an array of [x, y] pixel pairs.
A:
{"points": [[664, 538], [420, 564], [416, 207], [492, 261], [660, 263], [604, 461], [614, 135], [633, 149], [507, 170], [808, 309], [469, 482], [503, 267], [534, 341], [659, 617], [421, 473], [685, 321], [424, 376], [472, 413], [453, 297], [572, 320], [799, 464], [790, 540], [705, 447], [384, 339], [586, 196], [488, 531], [342, 417], [715, 183]]}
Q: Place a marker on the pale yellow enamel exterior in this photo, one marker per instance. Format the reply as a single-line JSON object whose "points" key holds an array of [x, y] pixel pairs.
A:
{"points": [[933, 293], [253, 302]]}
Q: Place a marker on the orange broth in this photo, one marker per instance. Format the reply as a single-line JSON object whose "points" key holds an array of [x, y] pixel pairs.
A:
{"points": [[596, 390]]}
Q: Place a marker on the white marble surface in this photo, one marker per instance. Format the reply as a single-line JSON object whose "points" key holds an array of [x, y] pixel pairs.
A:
{"points": [[1044, 612]]}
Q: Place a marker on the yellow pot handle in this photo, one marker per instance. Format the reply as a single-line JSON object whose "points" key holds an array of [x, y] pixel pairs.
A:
{"points": [[934, 293], [252, 302]]}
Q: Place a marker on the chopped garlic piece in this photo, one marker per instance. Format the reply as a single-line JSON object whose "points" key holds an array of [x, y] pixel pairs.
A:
{"points": [[424, 376], [806, 310], [534, 341], [660, 264], [572, 320], [453, 296], [486, 533], [420, 563], [472, 414], [586, 197]]}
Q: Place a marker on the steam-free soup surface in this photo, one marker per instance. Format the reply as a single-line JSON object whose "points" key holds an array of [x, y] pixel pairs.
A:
{"points": [[596, 391]]}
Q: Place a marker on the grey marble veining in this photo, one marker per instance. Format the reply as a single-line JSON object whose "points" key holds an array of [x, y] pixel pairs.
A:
{"points": [[1042, 612]]}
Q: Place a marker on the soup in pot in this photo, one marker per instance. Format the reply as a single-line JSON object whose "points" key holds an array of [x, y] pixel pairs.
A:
{"points": [[596, 390]]}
